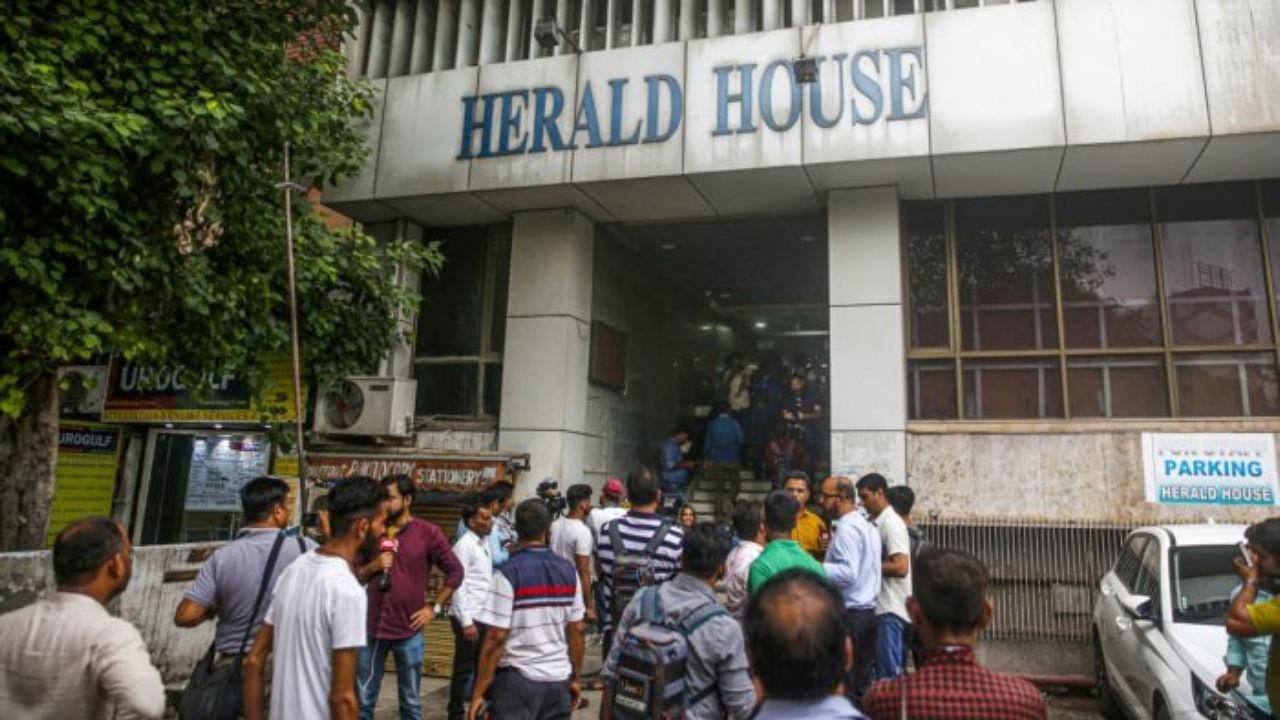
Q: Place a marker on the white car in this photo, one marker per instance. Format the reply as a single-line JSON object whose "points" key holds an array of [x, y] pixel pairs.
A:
{"points": [[1159, 625]]}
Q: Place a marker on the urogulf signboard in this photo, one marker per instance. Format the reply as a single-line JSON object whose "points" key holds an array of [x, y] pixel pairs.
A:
{"points": [[1210, 468]]}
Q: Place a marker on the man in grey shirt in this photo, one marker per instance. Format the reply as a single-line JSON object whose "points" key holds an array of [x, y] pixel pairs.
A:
{"points": [[228, 582], [717, 667]]}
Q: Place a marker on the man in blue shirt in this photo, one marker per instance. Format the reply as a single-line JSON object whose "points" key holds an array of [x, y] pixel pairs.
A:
{"points": [[853, 566], [722, 451], [673, 473]]}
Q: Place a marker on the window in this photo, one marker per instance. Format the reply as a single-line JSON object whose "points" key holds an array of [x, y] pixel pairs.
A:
{"points": [[1127, 564], [1148, 582], [1142, 303], [1203, 580], [462, 326]]}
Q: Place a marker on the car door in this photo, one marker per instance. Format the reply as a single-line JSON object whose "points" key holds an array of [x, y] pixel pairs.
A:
{"points": [[1120, 645], [1152, 648]]}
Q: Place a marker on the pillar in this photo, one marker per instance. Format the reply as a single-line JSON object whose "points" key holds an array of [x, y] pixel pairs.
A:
{"points": [[544, 370], [868, 356]]}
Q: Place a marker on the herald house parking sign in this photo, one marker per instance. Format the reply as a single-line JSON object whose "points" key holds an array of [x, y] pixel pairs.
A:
{"points": [[1210, 468]]}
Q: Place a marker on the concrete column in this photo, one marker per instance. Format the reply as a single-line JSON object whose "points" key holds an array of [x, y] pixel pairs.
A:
{"points": [[424, 24], [771, 17], [868, 355], [639, 22], [587, 25], [380, 39], [689, 19], [468, 34], [544, 374], [491, 32], [564, 13], [742, 17], [446, 36], [401, 39], [356, 46], [539, 13], [717, 17], [800, 13], [515, 37], [662, 20]]}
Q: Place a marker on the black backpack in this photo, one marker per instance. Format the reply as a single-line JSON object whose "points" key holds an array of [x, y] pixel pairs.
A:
{"points": [[631, 571], [652, 679]]}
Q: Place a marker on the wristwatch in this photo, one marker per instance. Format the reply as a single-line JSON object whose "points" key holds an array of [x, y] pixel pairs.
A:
{"points": [[436, 609]]}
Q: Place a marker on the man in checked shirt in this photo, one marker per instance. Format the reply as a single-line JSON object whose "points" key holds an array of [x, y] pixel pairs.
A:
{"points": [[950, 607]]}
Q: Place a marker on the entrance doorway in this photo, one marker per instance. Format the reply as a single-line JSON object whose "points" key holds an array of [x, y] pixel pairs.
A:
{"points": [[746, 322]]}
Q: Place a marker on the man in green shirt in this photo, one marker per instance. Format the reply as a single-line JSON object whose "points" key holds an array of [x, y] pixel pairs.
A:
{"points": [[780, 552], [1249, 618]]}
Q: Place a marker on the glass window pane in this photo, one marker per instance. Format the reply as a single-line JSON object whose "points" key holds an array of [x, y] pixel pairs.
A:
{"points": [[1213, 265], [1006, 274], [1012, 388], [1227, 384], [447, 389], [500, 247], [927, 276], [1107, 268], [449, 319], [931, 389], [1118, 386], [492, 389], [1271, 209]]}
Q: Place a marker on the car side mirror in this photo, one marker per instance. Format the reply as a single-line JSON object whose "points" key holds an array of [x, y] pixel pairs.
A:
{"points": [[1138, 607]]}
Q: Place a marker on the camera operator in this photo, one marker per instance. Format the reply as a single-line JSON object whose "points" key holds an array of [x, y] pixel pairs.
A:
{"points": [[549, 493], [572, 540]]}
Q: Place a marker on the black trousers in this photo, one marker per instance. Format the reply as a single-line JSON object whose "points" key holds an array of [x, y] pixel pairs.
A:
{"points": [[862, 631], [466, 655], [516, 698]]}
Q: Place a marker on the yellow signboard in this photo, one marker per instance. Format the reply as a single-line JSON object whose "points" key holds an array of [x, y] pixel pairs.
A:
{"points": [[86, 475], [142, 394]]}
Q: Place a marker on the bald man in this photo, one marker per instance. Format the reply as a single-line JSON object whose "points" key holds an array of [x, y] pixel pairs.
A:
{"points": [[66, 656], [799, 650]]}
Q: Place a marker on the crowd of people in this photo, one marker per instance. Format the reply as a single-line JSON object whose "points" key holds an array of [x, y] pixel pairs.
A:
{"points": [[778, 616]]}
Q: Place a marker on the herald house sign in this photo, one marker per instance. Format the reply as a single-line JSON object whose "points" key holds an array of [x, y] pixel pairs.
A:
{"points": [[872, 86]]}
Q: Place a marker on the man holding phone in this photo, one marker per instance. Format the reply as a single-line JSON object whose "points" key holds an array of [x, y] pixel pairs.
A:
{"points": [[1249, 617]]}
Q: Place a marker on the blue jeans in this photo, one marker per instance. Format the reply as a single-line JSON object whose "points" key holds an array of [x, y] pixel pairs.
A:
{"points": [[373, 660], [889, 634]]}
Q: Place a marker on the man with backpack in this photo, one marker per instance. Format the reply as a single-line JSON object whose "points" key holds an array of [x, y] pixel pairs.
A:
{"points": [[638, 549], [677, 644]]}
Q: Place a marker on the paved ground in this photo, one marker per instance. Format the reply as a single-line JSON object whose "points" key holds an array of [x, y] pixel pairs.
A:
{"points": [[1075, 705]]}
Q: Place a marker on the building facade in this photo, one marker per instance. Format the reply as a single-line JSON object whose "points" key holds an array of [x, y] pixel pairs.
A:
{"points": [[1016, 238]]}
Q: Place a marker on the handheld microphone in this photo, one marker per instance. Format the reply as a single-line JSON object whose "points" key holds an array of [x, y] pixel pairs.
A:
{"points": [[391, 545]]}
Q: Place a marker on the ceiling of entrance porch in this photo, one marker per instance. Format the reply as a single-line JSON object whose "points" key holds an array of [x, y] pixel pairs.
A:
{"points": [[769, 269]]}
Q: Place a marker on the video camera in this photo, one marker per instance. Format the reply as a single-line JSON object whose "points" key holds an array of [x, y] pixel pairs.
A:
{"points": [[549, 493]]}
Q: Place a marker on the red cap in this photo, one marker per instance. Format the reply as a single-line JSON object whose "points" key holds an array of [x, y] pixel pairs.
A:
{"points": [[614, 487]]}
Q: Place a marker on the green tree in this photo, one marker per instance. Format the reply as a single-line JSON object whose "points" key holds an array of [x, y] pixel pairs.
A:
{"points": [[141, 214]]}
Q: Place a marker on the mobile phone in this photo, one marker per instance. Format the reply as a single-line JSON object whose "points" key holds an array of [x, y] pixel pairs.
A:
{"points": [[1244, 551]]}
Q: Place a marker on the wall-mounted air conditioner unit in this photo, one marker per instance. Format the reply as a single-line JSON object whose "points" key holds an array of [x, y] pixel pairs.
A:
{"points": [[82, 389], [368, 406]]}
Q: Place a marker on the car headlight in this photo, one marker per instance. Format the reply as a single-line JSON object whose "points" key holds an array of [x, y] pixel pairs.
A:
{"points": [[1215, 706]]}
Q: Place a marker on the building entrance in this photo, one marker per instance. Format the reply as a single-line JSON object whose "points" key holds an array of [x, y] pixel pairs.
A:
{"points": [[744, 334]]}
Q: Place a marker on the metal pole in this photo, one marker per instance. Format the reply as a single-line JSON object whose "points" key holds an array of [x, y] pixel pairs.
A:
{"points": [[293, 333]]}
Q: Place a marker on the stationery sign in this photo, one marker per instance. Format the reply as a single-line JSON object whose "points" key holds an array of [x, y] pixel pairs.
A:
{"points": [[1210, 468]]}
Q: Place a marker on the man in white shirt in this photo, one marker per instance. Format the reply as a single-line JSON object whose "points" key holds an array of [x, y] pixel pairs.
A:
{"points": [[572, 540], [472, 550], [610, 507], [532, 654], [748, 523], [895, 571], [66, 656], [316, 623]]}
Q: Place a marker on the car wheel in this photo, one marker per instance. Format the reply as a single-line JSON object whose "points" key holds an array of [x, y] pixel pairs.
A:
{"points": [[1108, 704], [1162, 710]]}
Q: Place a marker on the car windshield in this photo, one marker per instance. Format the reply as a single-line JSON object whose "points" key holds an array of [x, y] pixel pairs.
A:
{"points": [[1203, 578]]}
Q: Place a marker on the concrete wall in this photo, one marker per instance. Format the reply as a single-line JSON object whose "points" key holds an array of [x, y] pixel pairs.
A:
{"points": [[148, 603], [1093, 477], [1013, 98]]}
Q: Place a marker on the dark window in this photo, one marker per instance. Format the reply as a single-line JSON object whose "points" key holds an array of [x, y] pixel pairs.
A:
{"points": [[927, 277], [1203, 581], [1127, 564]]}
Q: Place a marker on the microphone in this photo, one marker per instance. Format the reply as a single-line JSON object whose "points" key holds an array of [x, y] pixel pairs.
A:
{"points": [[391, 545]]}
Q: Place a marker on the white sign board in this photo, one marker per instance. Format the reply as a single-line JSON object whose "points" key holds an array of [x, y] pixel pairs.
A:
{"points": [[220, 465], [1210, 468]]}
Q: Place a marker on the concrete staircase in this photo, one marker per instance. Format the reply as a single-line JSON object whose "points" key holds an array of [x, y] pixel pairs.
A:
{"points": [[703, 500]]}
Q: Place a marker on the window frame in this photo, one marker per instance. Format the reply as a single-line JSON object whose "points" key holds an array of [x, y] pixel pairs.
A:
{"points": [[486, 357], [1168, 353]]}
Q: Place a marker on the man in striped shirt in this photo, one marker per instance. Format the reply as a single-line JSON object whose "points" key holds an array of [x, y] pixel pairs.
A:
{"points": [[636, 529], [532, 653]]}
